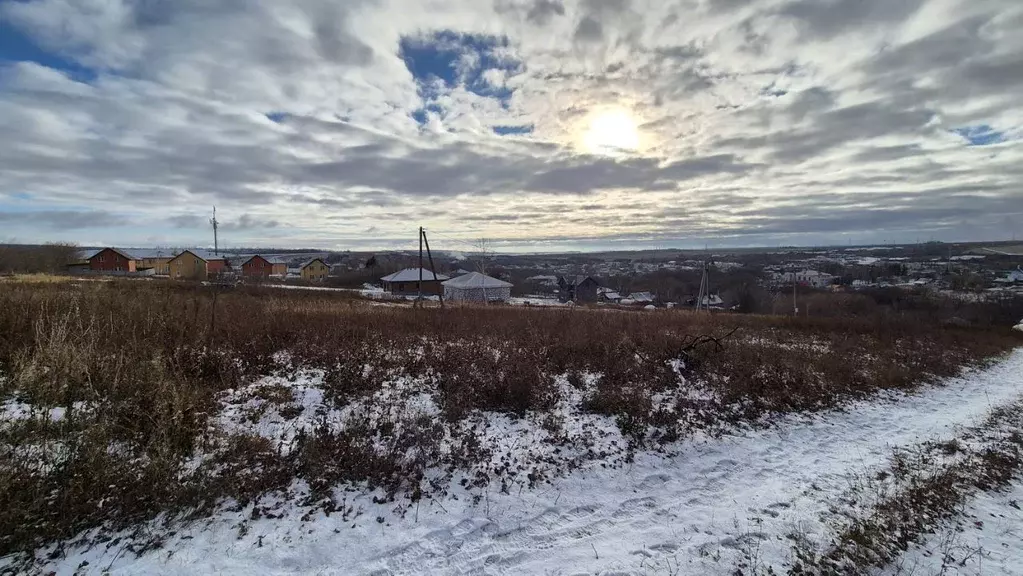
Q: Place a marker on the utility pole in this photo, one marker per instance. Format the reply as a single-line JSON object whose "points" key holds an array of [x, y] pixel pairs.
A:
{"points": [[213, 221], [795, 307], [419, 299], [704, 288], [422, 236]]}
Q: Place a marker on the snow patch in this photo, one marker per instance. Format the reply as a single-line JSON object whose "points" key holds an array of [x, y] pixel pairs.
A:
{"points": [[702, 510]]}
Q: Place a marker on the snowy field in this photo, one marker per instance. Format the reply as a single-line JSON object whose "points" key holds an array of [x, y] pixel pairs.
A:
{"points": [[705, 507], [986, 539]]}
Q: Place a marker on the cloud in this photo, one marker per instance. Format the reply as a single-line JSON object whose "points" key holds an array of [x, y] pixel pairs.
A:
{"points": [[827, 18], [309, 122], [249, 222], [63, 219], [542, 11]]}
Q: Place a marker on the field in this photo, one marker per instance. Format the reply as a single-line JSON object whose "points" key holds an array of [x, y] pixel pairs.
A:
{"points": [[133, 413]]}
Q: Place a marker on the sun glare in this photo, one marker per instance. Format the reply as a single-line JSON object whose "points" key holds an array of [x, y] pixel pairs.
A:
{"points": [[611, 132]]}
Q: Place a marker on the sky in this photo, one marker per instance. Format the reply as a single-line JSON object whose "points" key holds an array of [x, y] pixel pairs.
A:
{"points": [[542, 125]]}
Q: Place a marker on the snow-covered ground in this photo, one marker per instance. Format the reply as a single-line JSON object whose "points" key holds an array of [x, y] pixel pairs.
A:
{"points": [[985, 539], [536, 301], [712, 504]]}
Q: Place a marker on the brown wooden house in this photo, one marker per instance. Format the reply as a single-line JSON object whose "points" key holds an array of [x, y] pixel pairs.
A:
{"points": [[112, 260], [196, 265], [264, 267]]}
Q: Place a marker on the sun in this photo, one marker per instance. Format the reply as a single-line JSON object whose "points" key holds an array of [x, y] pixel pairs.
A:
{"points": [[611, 132]]}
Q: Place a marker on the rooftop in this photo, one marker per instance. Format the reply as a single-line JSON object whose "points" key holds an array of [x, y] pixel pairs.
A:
{"points": [[412, 275]]}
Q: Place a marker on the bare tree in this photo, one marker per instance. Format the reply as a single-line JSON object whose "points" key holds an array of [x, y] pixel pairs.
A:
{"points": [[483, 253], [52, 258]]}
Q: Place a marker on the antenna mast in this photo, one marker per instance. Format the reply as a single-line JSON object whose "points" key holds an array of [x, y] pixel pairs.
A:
{"points": [[213, 221]]}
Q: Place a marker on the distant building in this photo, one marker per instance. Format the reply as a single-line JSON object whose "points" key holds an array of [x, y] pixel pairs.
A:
{"points": [[156, 260], [712, 301], [476, 287], [196, 265], [112, 260], [811, 278], [314, 270], [641, 297], [406, 282], [608, 295], [264, 267], [577, 289]]}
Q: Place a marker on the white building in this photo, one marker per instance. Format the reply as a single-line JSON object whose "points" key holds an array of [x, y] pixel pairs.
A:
{"points": [[476, 287], [712, 301], [807, 278]]}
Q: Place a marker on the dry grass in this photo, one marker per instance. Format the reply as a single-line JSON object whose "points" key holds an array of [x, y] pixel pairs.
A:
{"points": [[149, 359], [37, 278], [920, 489]]}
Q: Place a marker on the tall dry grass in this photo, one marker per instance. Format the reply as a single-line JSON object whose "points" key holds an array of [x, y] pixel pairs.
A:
{"points": [[145, 362]]}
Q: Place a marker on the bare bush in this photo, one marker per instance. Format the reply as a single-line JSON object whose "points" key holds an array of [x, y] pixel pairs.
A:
{"points": [[150, 360]]}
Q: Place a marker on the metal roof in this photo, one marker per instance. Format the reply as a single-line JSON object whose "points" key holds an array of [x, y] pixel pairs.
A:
{"points": [[135, 253], [269, 259], [206, 255], [412, 275], [641, 297], [476, 280]]}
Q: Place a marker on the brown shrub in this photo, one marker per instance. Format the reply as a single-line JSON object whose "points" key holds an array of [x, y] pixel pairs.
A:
{"points": [[150, 359]]}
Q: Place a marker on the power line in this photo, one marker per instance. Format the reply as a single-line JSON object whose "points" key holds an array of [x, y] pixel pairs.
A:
{"points": [[453, 239]]}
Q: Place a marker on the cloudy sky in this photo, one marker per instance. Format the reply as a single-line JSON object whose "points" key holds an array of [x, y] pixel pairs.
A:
{"points": [[541, 124]]}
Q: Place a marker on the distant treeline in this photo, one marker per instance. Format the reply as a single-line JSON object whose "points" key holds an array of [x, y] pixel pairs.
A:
{"points": [[47, 258]]}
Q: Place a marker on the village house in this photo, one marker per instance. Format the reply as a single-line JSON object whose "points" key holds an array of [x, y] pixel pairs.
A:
{"points": [[476, 287], [577, 289], [196, 265], [112, 260], [406, 282], [1012, 277], [608, 295], [264, 267], [642, 297], [811, 278], [156, 260], [314, 270], [118, 261]]}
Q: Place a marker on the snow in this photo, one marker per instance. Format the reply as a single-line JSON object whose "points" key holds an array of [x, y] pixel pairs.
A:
{"points": [[985, 539], [536, 301], [700, 510], [14, 410]]}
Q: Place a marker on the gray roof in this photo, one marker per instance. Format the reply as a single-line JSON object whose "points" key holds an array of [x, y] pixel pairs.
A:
{"points": [[412, 275], [577, 280], [476, 280], [206, 255], [641, 297], [139, 253], [270, 259], [135, 253]]}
